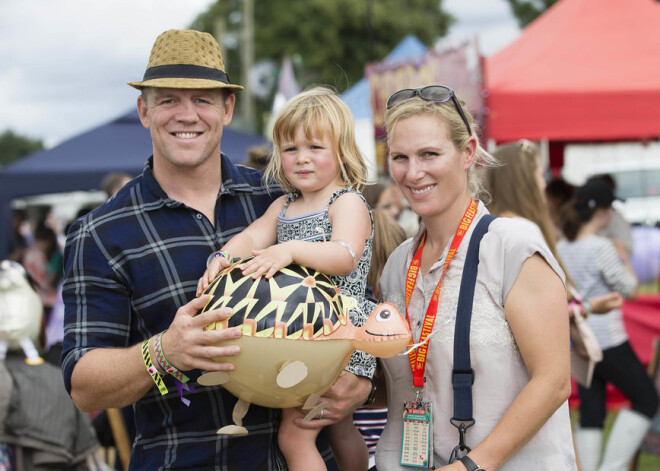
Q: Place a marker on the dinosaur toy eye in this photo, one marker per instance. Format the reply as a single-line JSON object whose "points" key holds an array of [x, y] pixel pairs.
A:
{"points": [[384, 315]]}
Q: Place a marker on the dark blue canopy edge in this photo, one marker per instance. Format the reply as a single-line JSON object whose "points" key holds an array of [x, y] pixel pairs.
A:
{"points": [[80, 163]]}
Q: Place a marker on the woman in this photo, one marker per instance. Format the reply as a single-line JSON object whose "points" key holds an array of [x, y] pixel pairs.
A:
{"points": [[597, 267], [519, 332]]}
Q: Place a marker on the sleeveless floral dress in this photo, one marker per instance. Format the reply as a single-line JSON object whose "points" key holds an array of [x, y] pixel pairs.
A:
{"points": [[315, 227]]}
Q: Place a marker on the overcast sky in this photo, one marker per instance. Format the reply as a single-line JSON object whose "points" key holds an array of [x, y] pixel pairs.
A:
{"points": [[65, 63]]}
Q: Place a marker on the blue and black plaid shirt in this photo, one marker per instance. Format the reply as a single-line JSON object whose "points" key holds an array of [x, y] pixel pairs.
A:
{"points": [[129, 265]]}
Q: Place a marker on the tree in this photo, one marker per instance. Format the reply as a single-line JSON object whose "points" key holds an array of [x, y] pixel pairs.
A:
{"points": [[527, 11], [333, 39], [14, 146]]}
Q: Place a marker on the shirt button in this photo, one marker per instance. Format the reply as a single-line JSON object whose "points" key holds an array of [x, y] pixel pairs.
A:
{"points": [[199, 216]]}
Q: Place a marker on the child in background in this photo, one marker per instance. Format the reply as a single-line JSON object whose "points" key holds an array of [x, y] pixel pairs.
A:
{"points": [[323, 223]]}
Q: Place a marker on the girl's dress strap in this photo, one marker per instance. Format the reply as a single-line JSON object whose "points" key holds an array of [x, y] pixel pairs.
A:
{"points": [[290, 197], [340, 192]]}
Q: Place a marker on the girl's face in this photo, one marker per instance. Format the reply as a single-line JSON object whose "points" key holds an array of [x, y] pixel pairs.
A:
{"points": [[424, 162], [310, 165]]}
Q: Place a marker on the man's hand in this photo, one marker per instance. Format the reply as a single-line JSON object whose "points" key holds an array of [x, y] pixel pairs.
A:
{"points": [[347, 394], [187, 346]]}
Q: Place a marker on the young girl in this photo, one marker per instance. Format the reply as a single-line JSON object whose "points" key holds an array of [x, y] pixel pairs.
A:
{"points": [[322, 223]]}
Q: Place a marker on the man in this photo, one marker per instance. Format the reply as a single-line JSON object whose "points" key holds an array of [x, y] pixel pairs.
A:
{"points": [[132, 267]]}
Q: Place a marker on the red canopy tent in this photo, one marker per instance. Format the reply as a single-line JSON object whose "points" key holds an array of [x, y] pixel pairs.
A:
{"points": [[584, 70]]}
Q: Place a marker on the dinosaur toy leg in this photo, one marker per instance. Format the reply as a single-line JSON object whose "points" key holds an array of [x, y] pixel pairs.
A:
{"points": [[240, 409]]}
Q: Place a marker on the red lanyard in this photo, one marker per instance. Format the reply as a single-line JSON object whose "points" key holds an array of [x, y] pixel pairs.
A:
{"points": [[417, 357]]}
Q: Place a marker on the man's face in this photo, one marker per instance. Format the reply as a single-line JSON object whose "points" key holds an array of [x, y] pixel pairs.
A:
{"points": [[185, 125]]}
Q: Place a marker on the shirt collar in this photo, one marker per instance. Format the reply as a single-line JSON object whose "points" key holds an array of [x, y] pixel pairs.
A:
{"points": [[153, 194]]}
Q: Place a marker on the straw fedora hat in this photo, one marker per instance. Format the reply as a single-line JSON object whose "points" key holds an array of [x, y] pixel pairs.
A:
{"points": [[185, 59]]}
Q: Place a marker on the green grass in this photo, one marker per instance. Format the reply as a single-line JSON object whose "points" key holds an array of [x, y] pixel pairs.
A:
{"points": [[647, 462], [650, 288]]}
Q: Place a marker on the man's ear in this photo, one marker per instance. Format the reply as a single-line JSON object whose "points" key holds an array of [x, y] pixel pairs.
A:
{"points": [[142, 111], [230, 101]]}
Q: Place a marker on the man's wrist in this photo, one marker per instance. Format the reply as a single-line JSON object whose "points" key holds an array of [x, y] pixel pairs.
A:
{"points": [[372, 394]]}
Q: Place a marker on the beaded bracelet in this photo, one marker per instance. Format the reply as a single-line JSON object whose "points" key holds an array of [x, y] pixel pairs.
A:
{"points": [[219, 253], [151, 369]]}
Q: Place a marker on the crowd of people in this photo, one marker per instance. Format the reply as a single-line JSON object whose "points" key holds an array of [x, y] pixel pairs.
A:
{"points": [[489, 300]]}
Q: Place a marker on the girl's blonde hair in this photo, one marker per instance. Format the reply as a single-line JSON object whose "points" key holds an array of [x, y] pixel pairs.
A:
{"points": [[321, 113], [446, 112]]}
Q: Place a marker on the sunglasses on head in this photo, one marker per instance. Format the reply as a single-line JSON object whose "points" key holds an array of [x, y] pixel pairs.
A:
{"points": [[435, 93], [527, 147]]}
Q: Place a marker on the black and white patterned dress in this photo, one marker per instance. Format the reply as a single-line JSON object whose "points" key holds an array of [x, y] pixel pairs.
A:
{"points": [[315, 227]]}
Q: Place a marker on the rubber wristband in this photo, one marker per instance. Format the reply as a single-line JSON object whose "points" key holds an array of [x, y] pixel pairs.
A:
{"points": [[151, 369]]}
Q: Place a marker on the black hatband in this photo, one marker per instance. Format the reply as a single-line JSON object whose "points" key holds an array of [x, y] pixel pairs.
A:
{"points": [[185, 71]]}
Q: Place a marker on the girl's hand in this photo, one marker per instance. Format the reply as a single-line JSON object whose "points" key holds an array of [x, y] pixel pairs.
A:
{"points": [[216, 266], [607, 302], [268, 261]]}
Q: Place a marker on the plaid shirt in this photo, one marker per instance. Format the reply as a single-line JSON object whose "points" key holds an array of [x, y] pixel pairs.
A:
{"points": [[129, 265]]}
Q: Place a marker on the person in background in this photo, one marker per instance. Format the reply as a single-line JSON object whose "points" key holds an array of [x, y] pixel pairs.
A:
{"points": [[381, 196], [557, 192], [18, 243], [131, 271], [597, 267], [519, 338], [618, 230], [257, 157], [517, 189], [44, 263], [113, 182]]}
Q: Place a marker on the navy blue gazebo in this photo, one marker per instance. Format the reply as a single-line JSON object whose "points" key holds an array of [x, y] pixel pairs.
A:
{"points": [[80, 163]]}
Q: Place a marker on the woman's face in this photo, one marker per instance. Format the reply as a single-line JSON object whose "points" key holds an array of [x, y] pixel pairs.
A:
{"points": [[424, 162], [387, 202]]}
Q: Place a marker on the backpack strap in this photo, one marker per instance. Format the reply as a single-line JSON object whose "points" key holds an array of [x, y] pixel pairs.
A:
{"points": [[462, 372]]}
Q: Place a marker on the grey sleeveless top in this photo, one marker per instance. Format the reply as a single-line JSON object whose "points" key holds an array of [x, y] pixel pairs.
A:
{"points": [[315, 227]]}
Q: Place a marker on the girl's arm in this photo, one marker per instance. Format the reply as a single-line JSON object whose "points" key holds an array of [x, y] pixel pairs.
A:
{"points": [[261, 233], [536, 311], [351, 226]]}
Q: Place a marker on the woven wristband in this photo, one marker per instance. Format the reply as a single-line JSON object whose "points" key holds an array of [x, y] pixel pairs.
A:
{"points": [[165, 365], [151, 369]]}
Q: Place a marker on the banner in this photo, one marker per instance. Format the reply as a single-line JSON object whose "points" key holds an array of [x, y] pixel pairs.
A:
{"points": [[458, 67]]}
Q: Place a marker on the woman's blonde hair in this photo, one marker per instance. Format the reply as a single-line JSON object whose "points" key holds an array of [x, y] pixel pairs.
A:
{"points": [[321, 113], [447, 113]]}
